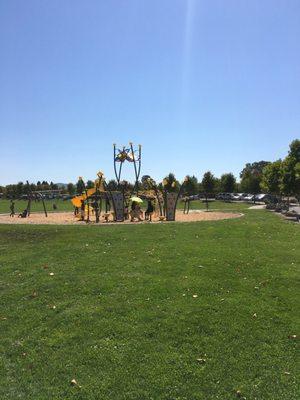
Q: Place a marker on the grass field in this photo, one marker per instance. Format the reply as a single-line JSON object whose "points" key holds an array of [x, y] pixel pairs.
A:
{"points": [[166, 311], [20, 205]]}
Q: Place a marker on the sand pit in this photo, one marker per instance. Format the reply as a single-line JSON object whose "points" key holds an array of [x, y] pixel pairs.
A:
{"points": [[67, 218]]}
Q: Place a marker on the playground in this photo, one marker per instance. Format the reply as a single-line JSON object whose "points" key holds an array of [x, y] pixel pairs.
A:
{"points": [[99, 204], [168, 301]]}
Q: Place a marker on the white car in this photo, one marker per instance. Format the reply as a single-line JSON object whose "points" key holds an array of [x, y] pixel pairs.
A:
{"points": [[249, 197], [235, 196]]}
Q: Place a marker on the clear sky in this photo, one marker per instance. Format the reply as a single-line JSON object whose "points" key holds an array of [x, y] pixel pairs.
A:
{"points": [[201, 84]]}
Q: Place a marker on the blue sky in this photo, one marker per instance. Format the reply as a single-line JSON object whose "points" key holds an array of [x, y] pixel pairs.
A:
{"points": [[201, 84]]}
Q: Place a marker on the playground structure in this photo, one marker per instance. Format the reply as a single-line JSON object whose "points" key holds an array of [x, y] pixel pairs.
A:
{"points": [[100, 200], [131, 155], [117, 201], [37, 195]]}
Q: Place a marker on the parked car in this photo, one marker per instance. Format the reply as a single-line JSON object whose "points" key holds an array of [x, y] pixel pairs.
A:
{"points": [[249, 197], [240, 195], [243, 196], [223, 196], [263, 197], [235, 196]]}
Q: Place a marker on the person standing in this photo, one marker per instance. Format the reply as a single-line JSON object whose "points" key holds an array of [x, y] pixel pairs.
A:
{"points": [[149, 211], [12, 208], [95, 206]]}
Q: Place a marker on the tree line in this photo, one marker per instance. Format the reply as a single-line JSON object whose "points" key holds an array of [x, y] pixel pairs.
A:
{"points": [[281, 177]]}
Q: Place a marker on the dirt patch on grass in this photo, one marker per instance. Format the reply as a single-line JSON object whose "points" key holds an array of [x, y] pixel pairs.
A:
{"points": [[68, 218]]}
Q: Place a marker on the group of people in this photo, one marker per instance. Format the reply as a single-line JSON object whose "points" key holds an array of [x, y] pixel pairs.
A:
{"points": [[136, 213], [23, 214]]}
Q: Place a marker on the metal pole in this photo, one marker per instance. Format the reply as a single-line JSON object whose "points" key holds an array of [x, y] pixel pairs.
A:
{"points": [[135, 169], [140, 160], [115, 167], [44, 206]]}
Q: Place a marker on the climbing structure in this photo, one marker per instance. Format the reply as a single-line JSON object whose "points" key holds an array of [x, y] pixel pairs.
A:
{"points": [[90, 200], [131, 155]]}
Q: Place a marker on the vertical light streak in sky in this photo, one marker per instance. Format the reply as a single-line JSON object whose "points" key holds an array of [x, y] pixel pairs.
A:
{"points": [[187, 56]]}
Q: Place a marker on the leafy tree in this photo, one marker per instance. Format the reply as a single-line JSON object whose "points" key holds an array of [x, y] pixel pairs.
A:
{"points": [[19, 189], [191, 185], [251, 176], [71, 188], [290, 171], [288, 177], [126, 186], [228, 183], [80, 186], [89, 184], [208, 182], [112, 185], [144, 182], [217, 185], [271, 177], [295, 150], [53, 186], [297, 180]]}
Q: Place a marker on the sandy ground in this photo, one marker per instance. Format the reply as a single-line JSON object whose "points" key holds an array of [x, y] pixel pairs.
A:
{"points": [[67, 218]]}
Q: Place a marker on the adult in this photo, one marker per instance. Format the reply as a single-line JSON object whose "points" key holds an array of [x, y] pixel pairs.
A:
{"points": [[95, 206], [149, 211], [12, 208]]}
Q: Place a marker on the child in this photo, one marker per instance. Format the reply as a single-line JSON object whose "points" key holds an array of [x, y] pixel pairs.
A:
{"points": [[135, 211], [149, 211]]}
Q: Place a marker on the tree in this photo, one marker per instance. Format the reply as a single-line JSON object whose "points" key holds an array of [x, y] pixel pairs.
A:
{"points": [[112, 185], [295, 150], [288, 177], [191, 185], [271, 177], [228, 183], [126, 186], [19, 189], [144, 182], [80, 186], [208, 182], [89, 184], [290, 171], [71, 188], [251, 176]]}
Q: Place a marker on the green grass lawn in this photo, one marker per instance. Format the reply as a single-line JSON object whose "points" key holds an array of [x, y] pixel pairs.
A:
{"points": [[163, 311], [36, 206]]}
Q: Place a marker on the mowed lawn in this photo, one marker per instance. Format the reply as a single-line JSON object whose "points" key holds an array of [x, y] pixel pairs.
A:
{"points": [[36, 206], [163, 311]]}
